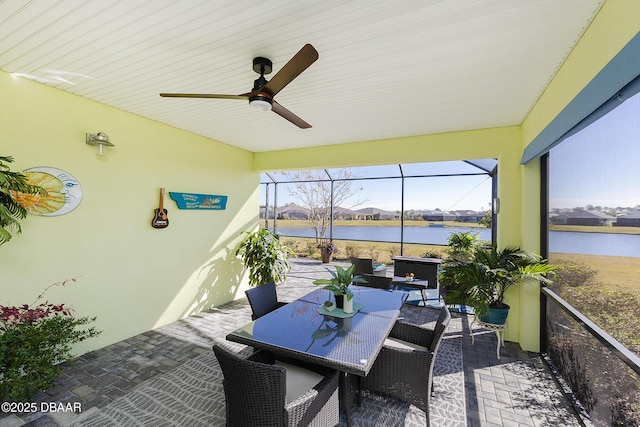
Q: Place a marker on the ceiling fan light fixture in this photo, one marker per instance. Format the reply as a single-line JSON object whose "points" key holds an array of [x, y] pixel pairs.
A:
{"points": [[263, 92], [260, 103]]}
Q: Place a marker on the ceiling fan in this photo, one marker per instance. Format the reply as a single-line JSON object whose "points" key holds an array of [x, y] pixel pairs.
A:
{"points": [[263, 92]]}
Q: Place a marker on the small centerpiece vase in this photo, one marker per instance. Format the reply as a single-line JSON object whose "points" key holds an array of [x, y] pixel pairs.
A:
{"points": [[348, 305]]}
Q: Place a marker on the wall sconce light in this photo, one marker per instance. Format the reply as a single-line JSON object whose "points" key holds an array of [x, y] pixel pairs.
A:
{"points": [[100, 140]]}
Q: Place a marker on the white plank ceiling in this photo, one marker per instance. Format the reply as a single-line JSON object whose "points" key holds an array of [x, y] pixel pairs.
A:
{"points": [[386, 68]]}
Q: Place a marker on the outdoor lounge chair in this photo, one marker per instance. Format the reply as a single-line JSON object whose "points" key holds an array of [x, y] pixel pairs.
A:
{"points": [[260, 391], [363, 265], [404, 367], [263, 299], [422, 268], [377, 282]]}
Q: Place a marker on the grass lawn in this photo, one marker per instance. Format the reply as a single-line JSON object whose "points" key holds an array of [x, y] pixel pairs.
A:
{"points": [[616, 272]]}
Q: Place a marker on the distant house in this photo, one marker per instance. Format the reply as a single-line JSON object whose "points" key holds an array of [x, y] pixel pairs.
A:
{"points": [[344, 213], [558, 219], [469, 216], [593, 218], [292, 211], [438, 216], [630, 220], [376, 214]]}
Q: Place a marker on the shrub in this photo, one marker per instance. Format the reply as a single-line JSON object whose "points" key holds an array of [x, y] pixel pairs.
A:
{"points": [[301, 247], [431, 254], [352, 250], [573, 274], [394, 251], [615, 311], [33, 343]]}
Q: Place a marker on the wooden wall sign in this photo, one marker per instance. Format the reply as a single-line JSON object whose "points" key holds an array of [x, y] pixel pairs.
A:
{"points": [[199, 201]]}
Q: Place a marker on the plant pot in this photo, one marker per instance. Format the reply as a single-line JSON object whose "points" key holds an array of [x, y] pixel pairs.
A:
{"points": [[496, 316], [326, 255], [340, 301], [329, 306]]}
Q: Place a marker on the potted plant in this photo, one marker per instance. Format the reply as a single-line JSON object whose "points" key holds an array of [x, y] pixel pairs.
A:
{"points": [[481, 278], [265, 256], [339, 285], [329, 305], [327, 249], [10, 210]]}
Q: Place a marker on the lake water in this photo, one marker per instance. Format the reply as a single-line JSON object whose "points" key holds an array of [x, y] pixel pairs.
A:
{"points": [[559, 241]]}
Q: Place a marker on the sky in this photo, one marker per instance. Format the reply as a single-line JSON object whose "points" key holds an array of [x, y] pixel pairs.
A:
{"points": [[444, 193], [600, 165]]}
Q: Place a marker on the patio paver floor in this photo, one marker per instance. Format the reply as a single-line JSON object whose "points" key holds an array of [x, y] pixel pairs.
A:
{"points": [[517, 390]]}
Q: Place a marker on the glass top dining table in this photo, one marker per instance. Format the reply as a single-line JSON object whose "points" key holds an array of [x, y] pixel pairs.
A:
{"points": [[349, 344]]}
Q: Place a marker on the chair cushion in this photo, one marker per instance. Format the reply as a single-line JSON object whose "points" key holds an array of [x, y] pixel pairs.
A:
{"points": [[299, 380], [406, 345]]}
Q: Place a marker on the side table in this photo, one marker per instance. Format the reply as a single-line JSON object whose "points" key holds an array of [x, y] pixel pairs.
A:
{"points": [[498, 329]]}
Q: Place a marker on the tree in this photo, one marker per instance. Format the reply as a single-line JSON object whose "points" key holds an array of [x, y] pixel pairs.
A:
{"points": [[10, 211], [486, 219], [313, 191]]}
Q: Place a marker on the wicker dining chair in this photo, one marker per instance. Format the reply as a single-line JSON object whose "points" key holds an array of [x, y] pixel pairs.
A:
{"points": [[261, 391], [404, 367], [377, 282], [263, 299]]}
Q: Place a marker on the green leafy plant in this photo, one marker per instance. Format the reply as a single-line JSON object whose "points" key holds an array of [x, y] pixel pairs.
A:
{"points": [[34, 340], [461, 245], [266, 257], [340, 281], [480, 277], [10, 211]]}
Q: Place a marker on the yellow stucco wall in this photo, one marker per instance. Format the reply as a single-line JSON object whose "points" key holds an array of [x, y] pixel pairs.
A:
{"points": [[131, 276]]}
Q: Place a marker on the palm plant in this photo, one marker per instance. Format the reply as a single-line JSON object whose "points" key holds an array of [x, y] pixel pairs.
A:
{"points": [[482, 280], [10, 211]]}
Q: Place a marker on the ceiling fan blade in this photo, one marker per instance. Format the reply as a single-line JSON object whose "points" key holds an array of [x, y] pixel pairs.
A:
{"points": [[283, 112], [204, 95], [292, 69]]}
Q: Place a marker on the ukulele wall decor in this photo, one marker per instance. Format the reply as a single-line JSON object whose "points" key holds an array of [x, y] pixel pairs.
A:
{"points": [[160, 219]]}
